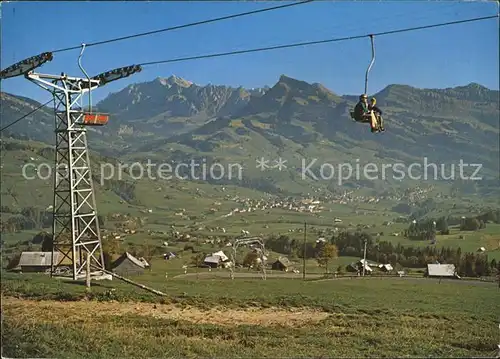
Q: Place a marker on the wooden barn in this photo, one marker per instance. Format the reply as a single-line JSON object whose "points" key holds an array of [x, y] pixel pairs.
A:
{"points": [[127, 265], [40, 261], [281, 264]]}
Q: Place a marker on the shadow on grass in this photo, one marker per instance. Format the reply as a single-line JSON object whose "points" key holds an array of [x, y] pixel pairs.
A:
{"points": [[82, 284]]}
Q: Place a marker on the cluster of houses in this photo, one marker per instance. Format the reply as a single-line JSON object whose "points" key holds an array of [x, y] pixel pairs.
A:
{"points": [[433, 270], [357, 267], [220, 260], [127, 264], [410, 195], [297, 205]]}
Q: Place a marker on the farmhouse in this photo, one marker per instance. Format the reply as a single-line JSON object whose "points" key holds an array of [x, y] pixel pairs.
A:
{"points": [[40, 261], [127, 264], [357, 267], [282, 264], [441, 271], [366, 264], [385, 267], [216, 259], [212, 261], [222, 256]]}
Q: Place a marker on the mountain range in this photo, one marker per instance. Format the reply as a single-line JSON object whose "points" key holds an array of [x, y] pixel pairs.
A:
{"points": [[174, 120]]}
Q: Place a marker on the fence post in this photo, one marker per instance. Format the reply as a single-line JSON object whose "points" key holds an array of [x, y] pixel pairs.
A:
{"points": [[87, 273]]}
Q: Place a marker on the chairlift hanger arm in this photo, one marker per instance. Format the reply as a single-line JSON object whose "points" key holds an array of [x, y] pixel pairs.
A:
{"points": [[25, 66], [89, 82], [371, 64], [117, 74]]}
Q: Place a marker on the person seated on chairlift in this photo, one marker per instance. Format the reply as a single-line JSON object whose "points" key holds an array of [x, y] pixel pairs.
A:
{"points": [[361, 111], [372, 106], [363, 114], [378, 113]]}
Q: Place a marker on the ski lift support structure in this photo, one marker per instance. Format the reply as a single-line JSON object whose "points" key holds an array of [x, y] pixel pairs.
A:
{"points": [[76, 232], [244, 242]]}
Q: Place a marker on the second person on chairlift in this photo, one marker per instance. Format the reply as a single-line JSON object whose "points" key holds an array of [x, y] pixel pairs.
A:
{"points": [[378, 113]]}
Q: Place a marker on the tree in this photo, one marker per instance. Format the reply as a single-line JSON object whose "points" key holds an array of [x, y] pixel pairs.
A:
{"points": [[469, 269], [442, 225], [481, 266], [498, 273], [250, 259], [147, 251], [493, 264], [326, 254], [45, 239], [110, 247], [282, 244], [471, 224], [47, 243], [13, 261]]}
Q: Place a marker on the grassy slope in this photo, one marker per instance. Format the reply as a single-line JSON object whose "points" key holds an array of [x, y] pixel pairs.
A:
{"points": [[378, 317]]}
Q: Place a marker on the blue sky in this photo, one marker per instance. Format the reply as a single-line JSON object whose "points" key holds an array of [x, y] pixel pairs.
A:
{"points": [[434, 58]]}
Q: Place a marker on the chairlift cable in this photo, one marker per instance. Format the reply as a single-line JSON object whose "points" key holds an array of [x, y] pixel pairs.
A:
{"points": [[308, 43], [28, 114], [184, 26]]}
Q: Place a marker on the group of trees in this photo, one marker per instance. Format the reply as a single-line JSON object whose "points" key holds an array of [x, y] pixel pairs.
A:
{"points": [[422, 231], [472, 224], [123, 189], [26, 218], [292, 247], [352, 244], [479, 222], [468, 264], [428, 228]]}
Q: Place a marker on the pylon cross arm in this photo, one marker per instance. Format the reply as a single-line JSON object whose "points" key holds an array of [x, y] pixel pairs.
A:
{"points": [[25, 66]]}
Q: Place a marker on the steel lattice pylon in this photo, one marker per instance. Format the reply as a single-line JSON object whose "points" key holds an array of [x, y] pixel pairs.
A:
{"points": [[247, 241], [76, 232]]}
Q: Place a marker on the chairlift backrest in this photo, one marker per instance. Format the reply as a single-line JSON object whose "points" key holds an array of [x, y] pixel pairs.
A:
{"points": [[95, 119]]}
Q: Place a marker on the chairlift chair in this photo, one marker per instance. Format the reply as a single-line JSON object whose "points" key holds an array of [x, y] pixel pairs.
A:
{"points": [[94, 119], [351, 112], [91, 118]]}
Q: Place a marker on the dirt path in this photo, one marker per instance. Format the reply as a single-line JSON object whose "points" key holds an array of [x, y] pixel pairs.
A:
{"points": [[81, 310]]}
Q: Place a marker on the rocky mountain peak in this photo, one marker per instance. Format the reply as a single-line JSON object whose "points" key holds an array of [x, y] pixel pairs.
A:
{"points": [[175, 80]]}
